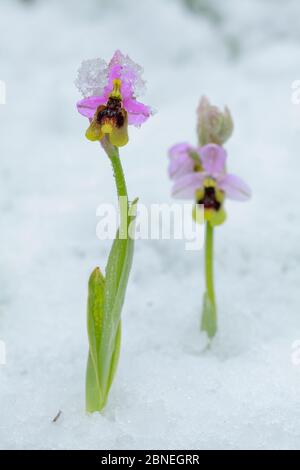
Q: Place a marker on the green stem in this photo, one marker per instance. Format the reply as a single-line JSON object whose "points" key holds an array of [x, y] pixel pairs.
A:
{"points": [[209, 269], [113, 154], [209, 312], [118, 174]]}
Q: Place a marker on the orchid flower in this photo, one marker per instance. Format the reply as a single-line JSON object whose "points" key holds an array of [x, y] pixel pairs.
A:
{"points": [[200, 174], [210, 185], [110, 104]]}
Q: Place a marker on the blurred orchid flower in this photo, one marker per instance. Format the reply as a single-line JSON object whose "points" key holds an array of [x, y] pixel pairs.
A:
{"points": [[213, 126], [109, 102], [210, 186]]}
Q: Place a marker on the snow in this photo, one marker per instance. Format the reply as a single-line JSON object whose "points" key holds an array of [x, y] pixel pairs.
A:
{"points": [[170, 392], [92, 77]]}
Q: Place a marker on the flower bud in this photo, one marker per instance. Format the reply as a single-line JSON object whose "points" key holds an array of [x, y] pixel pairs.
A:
{"points": [[213, 125]]}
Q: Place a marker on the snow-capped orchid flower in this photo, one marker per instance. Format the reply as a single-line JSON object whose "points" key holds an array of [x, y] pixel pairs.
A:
{"points": [[110, 104], [110, 92], [210, 186]]}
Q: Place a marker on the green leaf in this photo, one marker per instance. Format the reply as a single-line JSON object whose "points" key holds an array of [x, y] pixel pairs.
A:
{"points": [[116, 279], [209, 317], [115, 358], [95, 399], [105, 301], [95, 311]]}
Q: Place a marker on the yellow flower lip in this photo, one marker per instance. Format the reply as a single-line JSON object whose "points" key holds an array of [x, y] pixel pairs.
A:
{"points": [[107, 128]]}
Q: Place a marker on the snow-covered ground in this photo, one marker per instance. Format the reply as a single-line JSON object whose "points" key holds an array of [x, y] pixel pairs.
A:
{"points": [[244, 392]]}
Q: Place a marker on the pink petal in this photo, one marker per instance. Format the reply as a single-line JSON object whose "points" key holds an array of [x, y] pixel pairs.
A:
{"points": [[117, 58], [186, 186], [114, 72], [179, 149], [234, 187], [87, 107], [115, 66], [213, 158], [123, 68], [180, 160], [138, 112], [179, 166]]}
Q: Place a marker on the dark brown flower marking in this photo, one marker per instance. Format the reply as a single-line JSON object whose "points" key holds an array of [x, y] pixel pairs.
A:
{"points": [[111, 113], [209, 199]]}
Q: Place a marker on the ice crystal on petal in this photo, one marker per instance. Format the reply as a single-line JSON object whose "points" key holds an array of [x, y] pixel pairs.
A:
{"points": [[92, 77], [131, 72]]}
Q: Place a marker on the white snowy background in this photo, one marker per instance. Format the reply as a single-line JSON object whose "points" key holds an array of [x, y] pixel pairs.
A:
{"points": [[244, 392]]}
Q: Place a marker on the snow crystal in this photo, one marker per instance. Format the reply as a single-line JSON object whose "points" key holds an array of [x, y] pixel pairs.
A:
{"points": [[92, 77]]}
